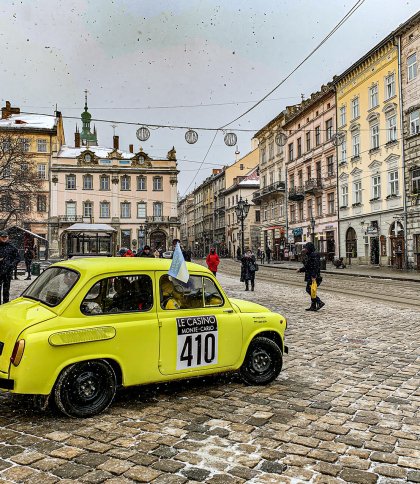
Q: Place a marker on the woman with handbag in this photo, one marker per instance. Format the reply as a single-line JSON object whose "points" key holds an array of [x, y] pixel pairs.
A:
{"points": [[312, 269], [248, 269]]}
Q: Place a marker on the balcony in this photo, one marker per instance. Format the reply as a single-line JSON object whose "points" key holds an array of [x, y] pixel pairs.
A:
{"points": [[296, 194], [277, 187], [70, 219], [313, 185], [161, 219]]}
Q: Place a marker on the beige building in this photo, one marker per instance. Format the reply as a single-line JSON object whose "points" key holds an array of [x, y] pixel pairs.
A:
{"points": [[312, 174], [131, 192], [41, 137]]}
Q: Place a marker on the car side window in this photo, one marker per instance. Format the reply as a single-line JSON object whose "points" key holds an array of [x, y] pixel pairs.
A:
{"points": [[198, 292], [120, 294]]}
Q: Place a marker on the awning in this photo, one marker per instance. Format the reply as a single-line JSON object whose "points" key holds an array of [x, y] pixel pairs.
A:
{"points": [[274, 227], [80, 227], [31, 233]]}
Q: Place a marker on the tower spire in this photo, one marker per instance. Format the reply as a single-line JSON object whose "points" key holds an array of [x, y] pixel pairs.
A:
{"points": [[86, 106]]}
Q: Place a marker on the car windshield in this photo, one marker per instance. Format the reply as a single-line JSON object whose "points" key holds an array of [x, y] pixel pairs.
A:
{"points": [[52, 286]]}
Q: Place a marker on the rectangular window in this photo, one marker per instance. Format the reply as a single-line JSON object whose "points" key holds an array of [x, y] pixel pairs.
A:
{"points": [[319, 206], [292, 181], [317, 136], [41, 203], [376, 187], [42, 171], [157, 184], [329, 129], [257, 216], [141, 183], [344, 196], [331, 203], [157, 211], [412, 67], [355, 144], [141, 210], [391, 129], [390, 86], [308, 140], [125, 210], [300, 208], [414, 122], [25, 144], [291, 152], [357, 192], [263, 155], [373, 96], [355, 108], [24, 203], [88, 182], [104, 210], [87, 209], [271, 150], [374, 136], [318, 170], [104, 185], [71, 210], [293, 213], [393, 182], [70, 182], [330, 165], [125, 183], [342, 115], [308, 172], [343, 152], [415, 181], [309, 208], [299, 147], [42, 145]]}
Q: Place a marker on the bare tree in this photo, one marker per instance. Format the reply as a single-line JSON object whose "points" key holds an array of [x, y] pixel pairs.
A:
{"points": [[19, 181]]}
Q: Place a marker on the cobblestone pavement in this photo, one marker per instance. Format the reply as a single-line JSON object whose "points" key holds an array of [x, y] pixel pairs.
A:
{"points": [[344, 409]]}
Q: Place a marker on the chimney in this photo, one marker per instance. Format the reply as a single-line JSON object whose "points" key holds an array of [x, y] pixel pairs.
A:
{"points": [[8, 110], [131, 148], [77, 139], [116, 142]]}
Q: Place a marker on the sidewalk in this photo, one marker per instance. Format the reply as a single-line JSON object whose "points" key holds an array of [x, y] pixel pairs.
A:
{"points": [[354, 270]]}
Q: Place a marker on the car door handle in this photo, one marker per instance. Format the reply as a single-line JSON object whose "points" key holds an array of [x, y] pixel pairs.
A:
{"points": [[228, 310]]}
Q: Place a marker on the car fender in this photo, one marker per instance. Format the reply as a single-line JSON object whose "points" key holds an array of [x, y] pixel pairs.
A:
{"points": [[268, 332]]}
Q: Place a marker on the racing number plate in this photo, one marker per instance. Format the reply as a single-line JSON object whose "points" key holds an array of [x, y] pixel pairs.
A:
{"points": [[197, 341]]}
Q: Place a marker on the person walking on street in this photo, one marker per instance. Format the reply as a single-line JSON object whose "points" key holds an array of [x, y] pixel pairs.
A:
{"points": [[262, 256], [268, 254], [312, 269], [212, 261], [238, 253], [9, 257], [146, 252], [28, 257], [248, 269]]}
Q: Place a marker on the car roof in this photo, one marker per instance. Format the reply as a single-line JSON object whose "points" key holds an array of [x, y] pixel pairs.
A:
{"points": [[114, 264]]}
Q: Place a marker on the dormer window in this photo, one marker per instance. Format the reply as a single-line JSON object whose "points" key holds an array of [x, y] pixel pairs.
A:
{"points": [[88, 157]]}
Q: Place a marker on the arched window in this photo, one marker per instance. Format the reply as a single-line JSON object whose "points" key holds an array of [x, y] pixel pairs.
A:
{"points": [[351, 243]]}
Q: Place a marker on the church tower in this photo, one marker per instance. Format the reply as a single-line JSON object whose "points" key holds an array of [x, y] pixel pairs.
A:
{"points": [[87, 138]]}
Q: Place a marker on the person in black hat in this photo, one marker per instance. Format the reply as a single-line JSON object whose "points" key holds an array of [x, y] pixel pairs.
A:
{"points": [[312, 269], [9, 257], [146, 252]]}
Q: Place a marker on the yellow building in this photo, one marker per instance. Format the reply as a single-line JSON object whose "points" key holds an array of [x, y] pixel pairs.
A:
{"points": [[370, 174]]}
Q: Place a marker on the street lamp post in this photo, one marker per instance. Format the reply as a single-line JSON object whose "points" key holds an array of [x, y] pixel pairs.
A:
{"points": [[312, 229], [242, 209], [143, 234]]}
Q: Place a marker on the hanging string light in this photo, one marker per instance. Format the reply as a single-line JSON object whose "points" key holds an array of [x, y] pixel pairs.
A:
{"points": [[191, 136], [338, 138], [230, 139], [143, 133], [280, 138]]}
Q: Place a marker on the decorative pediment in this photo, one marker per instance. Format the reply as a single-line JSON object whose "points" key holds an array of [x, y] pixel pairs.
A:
{"points": [[372, 117], [171, 154], [87, 157], [356, 172], [390, 108], [392, 160], [375, 165], [141, 159], [343, 177], [115, 154], [354, 126]]}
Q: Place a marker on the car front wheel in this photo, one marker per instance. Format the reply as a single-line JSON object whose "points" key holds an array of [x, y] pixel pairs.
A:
{"points": [[85, 389], [263, 362]]}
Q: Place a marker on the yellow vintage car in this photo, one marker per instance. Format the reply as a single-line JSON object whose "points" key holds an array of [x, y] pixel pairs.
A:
{"points": [[85, 327]]}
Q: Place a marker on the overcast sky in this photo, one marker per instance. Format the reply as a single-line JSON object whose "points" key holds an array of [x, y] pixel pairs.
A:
{"points": [[190, 63]]}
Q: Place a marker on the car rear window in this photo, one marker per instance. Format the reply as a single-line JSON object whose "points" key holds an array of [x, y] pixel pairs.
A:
{"points": [[52, 286], [119, 294]]}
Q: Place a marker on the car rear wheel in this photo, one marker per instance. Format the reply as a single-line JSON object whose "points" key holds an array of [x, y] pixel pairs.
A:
{"points": [[263, 362], [85, 389]]}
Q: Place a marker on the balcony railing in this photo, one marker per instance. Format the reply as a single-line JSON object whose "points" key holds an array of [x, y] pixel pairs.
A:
{"points": [[296, 194], [161, 219], [70, 218], [313, 185], [276, 187]]}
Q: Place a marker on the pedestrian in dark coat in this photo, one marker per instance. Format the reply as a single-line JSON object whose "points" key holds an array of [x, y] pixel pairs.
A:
{"points": [[28, 257], [212, 261], [312, 269], [248, 269], [9, 257], [146, 252], [268, 254]]}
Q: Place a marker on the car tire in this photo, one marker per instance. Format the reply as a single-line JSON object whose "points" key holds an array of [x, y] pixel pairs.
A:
{"points": [[85, 389], [262, 363]]}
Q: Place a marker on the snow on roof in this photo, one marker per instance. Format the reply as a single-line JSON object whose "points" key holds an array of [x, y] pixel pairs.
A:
{"points": [[25, 121], [252, 178], [100, 152], [90, 228]]}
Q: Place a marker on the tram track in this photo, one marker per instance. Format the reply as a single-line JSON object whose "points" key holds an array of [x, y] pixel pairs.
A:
{"points": [[385, 290]]}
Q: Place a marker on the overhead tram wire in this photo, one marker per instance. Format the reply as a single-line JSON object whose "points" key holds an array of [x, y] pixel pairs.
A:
{"points": [[357, 5]]}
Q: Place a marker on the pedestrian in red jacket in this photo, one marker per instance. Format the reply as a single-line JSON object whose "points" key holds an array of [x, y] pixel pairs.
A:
{"points": [[212, 261]]}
